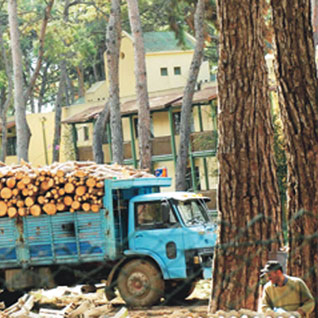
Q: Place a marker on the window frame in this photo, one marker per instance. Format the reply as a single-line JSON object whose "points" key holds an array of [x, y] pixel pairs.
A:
{"points": [[177, 70], [164, 71], [153, 225]]}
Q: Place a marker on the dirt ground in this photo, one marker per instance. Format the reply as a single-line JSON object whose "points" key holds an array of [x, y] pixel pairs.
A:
{"points": [[194, 307]]}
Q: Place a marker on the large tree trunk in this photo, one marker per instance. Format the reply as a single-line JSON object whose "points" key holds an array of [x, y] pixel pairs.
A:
{"points": [[145, 151], [43, 87], [248, 194], [185, 126], [80, 77], [113, 39], [47, 14], [58, 112], [5, 103], [100, 126], [22, 128], [298, 92], [59, 99], [70, 94]]}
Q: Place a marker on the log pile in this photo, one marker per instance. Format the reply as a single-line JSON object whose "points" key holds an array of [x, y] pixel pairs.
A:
{"points": [[69, 186]]}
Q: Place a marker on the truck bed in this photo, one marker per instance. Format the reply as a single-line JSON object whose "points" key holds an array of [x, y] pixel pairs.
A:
{"points": [[62, 238]]}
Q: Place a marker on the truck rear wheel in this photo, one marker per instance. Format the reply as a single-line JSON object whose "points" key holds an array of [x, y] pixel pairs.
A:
{"points": [[140, 283]]}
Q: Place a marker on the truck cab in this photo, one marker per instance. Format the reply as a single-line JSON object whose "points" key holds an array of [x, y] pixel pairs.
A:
{"points": [[174, 229], [170, 245]]}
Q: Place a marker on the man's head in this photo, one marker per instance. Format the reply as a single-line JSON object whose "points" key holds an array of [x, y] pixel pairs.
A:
{"points": [[274, 272]]}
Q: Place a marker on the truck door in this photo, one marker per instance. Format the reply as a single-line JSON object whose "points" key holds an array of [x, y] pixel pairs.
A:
{"points": [[159, 235]]}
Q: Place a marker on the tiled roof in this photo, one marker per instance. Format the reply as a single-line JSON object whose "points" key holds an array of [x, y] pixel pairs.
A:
{"points": [[201, 97], [95, 86], [10, 124], [85, 116], [155, 103], [165, 41]]}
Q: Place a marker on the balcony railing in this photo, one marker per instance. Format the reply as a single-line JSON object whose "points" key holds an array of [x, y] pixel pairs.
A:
{"points": [[202, 144]]}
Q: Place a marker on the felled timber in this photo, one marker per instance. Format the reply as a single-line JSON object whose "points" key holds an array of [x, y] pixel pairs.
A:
{"points": [[69, 186]]}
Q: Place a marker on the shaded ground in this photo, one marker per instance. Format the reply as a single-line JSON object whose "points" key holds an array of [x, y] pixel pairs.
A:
{"points": [[194, 307]]}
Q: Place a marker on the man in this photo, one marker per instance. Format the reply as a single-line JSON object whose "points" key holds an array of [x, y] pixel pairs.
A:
{"points": [[285, 293]]}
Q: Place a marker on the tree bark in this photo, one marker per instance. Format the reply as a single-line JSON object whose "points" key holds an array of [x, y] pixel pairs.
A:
{"points": [[80, 77], [298, 99], [22, 128], [58, 112], [113, 39], [145, 151], [70, 98], [43, 87], [38, 65], [99, 127], [248, 194], [7, 101], [185, 125]]}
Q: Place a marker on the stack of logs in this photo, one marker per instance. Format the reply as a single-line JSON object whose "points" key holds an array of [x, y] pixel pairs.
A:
{"points": [[69, 186]]}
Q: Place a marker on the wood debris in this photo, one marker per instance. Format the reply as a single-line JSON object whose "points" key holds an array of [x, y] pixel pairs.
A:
{"points": [[87, 309], [246, 313], [68, 186]]}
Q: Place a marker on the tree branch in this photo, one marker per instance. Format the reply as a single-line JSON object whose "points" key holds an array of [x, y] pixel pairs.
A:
{"points": [[41, 50]]}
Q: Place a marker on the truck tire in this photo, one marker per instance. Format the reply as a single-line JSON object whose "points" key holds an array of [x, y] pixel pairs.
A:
{"points": [[140, 283], [178, 290]]}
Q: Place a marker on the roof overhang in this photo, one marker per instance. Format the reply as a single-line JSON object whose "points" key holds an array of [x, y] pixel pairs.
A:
{"points": [[156, 103], [10, 124]]}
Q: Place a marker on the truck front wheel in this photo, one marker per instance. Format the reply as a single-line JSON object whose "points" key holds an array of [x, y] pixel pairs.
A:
{"points": [[140, 283], [178, 290]]}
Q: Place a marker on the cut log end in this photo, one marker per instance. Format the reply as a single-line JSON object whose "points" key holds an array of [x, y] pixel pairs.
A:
{"points": [[3, 208], [35, 210], [6, 193], [69, 187], [86, 207], [12, 212], [49, 208]]}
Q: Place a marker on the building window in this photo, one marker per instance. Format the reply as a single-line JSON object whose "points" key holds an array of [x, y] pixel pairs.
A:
{"points": [[164, 71], [176, 117], [105, 137], [177, 70], [86, 133], [12, 146], [189, 180], [136, 127], [176, 122]]}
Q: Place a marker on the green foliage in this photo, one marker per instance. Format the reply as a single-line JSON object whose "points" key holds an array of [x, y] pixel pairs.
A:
{"points": [[176, 15], [3, 79], [79, 37]]}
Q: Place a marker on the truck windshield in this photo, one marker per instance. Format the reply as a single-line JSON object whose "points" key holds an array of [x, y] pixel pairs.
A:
{"points": [[193, 212]]}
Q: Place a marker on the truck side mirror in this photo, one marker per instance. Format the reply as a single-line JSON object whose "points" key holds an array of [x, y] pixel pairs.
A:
{"points": [[165, 210]]}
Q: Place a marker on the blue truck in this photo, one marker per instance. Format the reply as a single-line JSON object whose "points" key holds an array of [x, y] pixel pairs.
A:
{"points": [[147, 244]]}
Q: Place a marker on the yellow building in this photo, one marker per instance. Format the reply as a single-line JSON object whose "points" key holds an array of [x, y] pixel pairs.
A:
{"points": [[168, 66]]}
